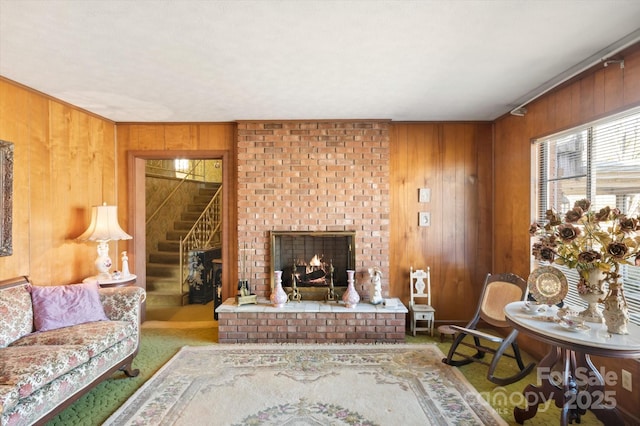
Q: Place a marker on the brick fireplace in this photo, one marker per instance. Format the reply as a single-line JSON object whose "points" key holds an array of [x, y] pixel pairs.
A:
{"points": [[314, 176]]}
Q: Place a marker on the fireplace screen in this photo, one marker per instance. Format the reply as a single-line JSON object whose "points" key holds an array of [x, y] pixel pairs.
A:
{"points": [[316, 260]]}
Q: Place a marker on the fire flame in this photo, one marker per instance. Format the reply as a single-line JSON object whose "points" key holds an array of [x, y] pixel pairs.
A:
{"points": [[315, 261]]}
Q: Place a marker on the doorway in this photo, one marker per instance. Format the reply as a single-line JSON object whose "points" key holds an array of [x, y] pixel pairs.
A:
{"points": [[138, 214]]}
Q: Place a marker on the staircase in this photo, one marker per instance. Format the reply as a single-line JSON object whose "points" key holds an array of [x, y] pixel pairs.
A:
{"points": [[163, 268]]}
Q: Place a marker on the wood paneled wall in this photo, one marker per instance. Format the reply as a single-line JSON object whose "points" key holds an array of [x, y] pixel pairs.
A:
{"points": [[454, 161], [64, 162], [57, 143], [600, 92]]}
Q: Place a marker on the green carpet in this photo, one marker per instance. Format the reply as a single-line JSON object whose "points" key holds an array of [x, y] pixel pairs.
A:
{"points": [[504, 398], [158, 345]]}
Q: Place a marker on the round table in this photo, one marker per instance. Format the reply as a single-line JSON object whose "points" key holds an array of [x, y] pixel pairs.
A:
{"points": [[122, 282], [581, 386]]}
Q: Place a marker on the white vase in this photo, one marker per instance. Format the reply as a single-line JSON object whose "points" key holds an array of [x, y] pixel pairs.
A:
{"points": [[591, 290], [278, 295], [616, 310], [351, 296]]}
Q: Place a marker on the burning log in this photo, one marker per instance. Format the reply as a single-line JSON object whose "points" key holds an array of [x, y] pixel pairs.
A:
{"points": [[317, 275]]}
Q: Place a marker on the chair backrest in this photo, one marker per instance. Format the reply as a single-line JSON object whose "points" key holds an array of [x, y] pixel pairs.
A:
{"points": [[500, 290], [420, 282]]}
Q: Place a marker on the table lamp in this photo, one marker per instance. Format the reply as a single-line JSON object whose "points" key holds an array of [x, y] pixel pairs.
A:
{"points": [[104, 227]]}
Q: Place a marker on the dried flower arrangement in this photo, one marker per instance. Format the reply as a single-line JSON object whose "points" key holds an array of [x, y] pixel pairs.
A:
{"points": [[587, 240]]}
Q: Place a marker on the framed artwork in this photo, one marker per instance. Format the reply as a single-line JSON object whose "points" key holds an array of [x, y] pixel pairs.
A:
{"points": [[6, 202]]}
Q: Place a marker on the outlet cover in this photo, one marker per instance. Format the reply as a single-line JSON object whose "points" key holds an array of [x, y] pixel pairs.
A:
{"points": [[626, 380]]}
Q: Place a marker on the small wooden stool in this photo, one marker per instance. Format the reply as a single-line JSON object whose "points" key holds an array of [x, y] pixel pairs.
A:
{"points": [[445, 330]]}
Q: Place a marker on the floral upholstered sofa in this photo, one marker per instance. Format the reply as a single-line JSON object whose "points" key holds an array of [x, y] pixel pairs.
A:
{"points": [[58, 342]]}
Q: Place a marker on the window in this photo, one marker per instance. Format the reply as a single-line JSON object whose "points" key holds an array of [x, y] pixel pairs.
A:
{"points": [[600, 162]]}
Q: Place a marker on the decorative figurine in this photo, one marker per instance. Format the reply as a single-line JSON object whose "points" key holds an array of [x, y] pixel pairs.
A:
{"points": [[295, 293], [125, 265], [331, 292], [376, 286]]}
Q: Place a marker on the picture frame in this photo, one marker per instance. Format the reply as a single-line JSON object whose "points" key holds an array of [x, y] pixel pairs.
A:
{"points": [[6, 201]]}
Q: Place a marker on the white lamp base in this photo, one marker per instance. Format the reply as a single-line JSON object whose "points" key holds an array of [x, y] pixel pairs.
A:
{"points": [[103, 262]]}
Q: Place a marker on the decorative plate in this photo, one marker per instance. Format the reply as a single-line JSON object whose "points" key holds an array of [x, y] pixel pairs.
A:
{"points": [[548, 285]]}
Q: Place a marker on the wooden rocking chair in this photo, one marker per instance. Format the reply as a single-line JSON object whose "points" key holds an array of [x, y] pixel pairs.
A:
{"points": [[499, 290]]}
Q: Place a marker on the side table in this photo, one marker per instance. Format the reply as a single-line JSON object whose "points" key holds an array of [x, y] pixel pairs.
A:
{"points": [[578, 385], [122, 282]]}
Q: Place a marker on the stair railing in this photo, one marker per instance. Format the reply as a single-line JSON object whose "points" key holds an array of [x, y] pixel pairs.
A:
{"points": [[202, 234], [177, 187]]}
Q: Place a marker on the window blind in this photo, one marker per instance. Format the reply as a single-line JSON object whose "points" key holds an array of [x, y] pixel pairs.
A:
{"points": [[600, 162]]}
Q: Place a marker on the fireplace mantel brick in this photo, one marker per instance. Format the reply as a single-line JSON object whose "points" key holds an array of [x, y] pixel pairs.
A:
{"points": [[310, 322]]}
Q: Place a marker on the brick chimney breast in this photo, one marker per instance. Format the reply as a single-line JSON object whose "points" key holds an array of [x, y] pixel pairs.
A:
{"points": [[314, 176]]}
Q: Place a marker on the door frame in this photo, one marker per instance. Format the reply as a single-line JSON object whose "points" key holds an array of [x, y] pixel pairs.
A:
{"points": [[137, 203]]}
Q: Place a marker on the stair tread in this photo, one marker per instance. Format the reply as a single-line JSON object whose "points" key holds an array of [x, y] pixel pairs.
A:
{"points": [[163, 268]]}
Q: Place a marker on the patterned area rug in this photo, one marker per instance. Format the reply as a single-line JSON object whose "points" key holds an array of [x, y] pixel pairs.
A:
{"points": [[307, 385]]}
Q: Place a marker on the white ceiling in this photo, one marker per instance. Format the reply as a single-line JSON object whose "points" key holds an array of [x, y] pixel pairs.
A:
{"points": [[212, 61]]}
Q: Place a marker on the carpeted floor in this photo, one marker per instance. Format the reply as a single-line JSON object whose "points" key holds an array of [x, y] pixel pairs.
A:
{"points": [[313, 384], [194, 312], [162, 340], [157, 346]]}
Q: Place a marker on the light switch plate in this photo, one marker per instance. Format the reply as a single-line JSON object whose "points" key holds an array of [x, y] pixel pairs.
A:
{"points": [[424, 195], [424, 219]]}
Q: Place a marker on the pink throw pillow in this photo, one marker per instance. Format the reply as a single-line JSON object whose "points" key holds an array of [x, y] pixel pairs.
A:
{"points": [[66, 305]]}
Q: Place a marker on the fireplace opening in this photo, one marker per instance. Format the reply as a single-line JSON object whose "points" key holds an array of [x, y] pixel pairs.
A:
{"points": [[315, 261]]}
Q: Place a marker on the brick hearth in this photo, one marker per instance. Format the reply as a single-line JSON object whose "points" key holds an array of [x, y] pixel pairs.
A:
{"points": [[310, 322]]}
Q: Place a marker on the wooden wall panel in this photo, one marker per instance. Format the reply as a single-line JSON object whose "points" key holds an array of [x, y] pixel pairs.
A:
{"points": [[59, 173], [563, 116], [586, 102], [454, 160], [511, 214], [613, 87], [14, 113], [631, 90], [180, 136]]}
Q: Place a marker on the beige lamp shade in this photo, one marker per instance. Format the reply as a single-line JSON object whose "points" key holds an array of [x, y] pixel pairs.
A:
{"points": [[103, 228], [104, 225]]}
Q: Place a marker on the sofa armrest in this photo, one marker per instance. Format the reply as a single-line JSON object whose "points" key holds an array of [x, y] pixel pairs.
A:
{"points": [[122, 303], [8, 398]]}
